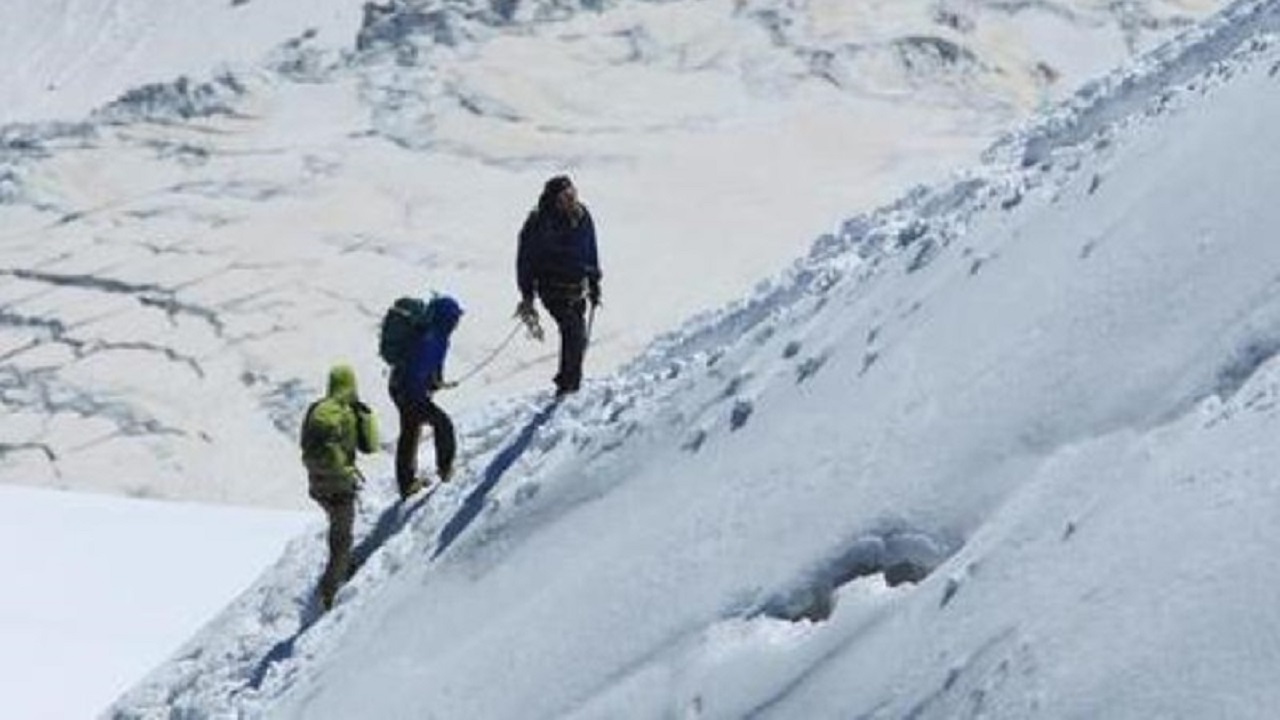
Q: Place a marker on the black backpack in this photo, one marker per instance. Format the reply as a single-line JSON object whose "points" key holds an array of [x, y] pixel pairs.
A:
{"points": [[402, 326]]}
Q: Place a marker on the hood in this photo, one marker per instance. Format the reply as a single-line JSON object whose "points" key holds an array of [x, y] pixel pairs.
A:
{"points": [[445, 313], [342, 383]]}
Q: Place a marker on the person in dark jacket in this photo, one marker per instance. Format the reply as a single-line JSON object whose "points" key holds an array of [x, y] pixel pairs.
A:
{"points": [[412, 388], [334, 429], [557, 261]]}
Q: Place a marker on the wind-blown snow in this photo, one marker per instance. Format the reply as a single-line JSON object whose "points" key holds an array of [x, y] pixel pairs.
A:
{"points": [[1000, 449]]}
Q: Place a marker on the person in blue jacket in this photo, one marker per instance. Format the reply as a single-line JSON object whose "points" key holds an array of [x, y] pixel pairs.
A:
{"points": [[557, 261], [412, 388]]}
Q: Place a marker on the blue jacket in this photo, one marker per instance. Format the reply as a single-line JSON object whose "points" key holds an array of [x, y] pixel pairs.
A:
{"points": [[423, 374], [556, 250]]}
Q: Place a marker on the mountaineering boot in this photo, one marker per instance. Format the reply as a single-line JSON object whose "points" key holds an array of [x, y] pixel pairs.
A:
{"points": [[414, 486], [446, 474]]}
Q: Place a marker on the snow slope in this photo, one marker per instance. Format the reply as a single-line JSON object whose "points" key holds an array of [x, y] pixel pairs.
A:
{"points": [[1000, 449], [77, 55], [258, 180]]}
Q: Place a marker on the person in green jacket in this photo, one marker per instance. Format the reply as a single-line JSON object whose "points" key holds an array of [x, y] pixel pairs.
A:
{"points": [[335, 428]]}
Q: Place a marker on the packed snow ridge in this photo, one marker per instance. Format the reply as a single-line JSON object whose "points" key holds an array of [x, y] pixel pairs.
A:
{"points": [[1003, 448]]}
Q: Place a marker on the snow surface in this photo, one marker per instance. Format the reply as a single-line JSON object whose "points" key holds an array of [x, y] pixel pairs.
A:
{"points": [[1000, 449], [77, 55], [258, 180], [100, 589]]}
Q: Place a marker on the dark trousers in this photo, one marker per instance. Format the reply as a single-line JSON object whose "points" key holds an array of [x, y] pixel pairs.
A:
{"points": [[569, 312], [414, 413], [341, 510]]}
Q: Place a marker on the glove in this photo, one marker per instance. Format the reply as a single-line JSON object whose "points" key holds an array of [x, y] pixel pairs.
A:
{"points": [[529, 316], [593, 292], [439, 383]]}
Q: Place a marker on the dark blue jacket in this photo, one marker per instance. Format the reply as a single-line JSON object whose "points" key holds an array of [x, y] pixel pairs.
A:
{"points": [[556, 250]]}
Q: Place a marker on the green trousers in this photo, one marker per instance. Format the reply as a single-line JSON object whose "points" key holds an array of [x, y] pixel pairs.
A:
{"points": [[341, 510]]}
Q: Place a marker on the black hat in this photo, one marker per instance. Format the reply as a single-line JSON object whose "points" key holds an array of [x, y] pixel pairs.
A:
{"points": [[556, 185], [551, 190]]}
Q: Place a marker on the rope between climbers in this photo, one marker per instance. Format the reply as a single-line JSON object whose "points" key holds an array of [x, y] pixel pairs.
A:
{"points": [[493, 355]]}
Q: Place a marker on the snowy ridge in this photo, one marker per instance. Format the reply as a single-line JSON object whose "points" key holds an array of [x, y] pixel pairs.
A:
{"points": [[176, 101], [77, 55], [1094, 107], [530, 464], [203, 225], [929, 218]]}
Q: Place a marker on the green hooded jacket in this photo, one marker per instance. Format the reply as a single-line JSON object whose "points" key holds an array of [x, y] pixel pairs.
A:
{"points": [[335, 428]]}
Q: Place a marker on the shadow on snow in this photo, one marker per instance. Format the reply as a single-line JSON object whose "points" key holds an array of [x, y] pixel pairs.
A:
{"points": [[394, 518], [497, 467]]}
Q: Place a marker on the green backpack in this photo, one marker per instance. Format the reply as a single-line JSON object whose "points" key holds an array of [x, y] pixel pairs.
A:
{"points": [[327, 448], [402, 325]]}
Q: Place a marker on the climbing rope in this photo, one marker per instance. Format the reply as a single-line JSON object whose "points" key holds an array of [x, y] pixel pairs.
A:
{"points": [[493, 355]]}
